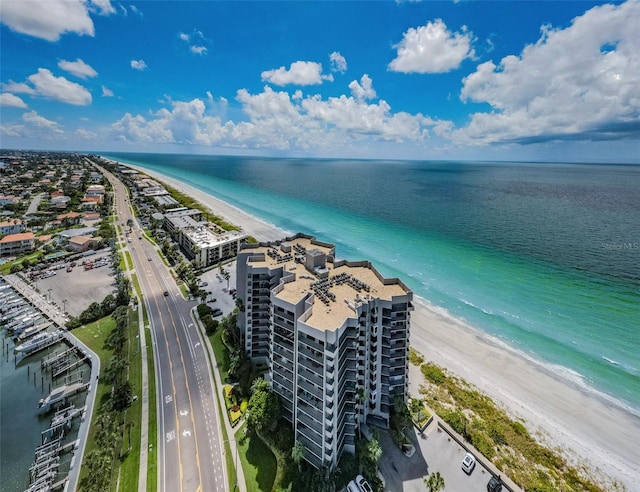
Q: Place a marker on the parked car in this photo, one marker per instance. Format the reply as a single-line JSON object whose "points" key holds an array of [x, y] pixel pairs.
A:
{"points": [[352, 487], [362, 484], [468, 463], [495, 484], [216, 312]]}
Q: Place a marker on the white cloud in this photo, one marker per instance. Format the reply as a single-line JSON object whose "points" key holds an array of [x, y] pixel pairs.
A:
{"points": [[580, 82], [11, 100], [77, 68], [104, 7], [106, 92], [35, 120], [278, 121], [364, 89], [18, 87], [12, 130], [198, 50], [338, 62], [47, 19], [185, 123], [195, 40], [299, 73], [138, 65], [86, 134], [48, 85], [432, 49]]}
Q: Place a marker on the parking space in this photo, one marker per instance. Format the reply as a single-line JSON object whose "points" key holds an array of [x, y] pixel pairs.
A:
{"points": [[75, 290]]}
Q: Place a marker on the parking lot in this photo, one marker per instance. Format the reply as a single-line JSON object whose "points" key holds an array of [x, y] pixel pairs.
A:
{"points": [[79, 287], [435, 452], [217, 287]]}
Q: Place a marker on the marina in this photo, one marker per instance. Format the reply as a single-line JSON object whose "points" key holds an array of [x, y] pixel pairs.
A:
{"points": [[51, 409]]}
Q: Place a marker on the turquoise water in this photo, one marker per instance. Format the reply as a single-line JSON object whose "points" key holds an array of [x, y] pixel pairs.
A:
{"points": [[545, 257]]}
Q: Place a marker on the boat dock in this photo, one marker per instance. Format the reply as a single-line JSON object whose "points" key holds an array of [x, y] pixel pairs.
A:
{"points": [[55, 357], [60, 363], [44, 470], [59, 396], [61, 422]]}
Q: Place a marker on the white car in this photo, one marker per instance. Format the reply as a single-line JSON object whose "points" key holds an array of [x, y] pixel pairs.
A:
{"points": [[352, 487], [363, 485], [468, 463]]}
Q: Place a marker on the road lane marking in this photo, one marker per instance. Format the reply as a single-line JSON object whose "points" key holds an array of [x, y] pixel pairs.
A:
{"points": [[171, 435]]}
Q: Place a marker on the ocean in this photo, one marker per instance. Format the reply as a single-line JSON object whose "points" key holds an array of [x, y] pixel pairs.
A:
{"points": [[542, 256]]}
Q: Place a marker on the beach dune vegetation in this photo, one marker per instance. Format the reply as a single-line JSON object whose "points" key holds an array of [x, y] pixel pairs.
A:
{"points": [[501, 439]]}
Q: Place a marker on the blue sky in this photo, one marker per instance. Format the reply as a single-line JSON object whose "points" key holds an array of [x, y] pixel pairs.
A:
{"points": [[512, 80]]}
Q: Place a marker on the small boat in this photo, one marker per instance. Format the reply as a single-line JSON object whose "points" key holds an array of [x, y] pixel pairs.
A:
{"points": [[38, 341], [59, 395]]}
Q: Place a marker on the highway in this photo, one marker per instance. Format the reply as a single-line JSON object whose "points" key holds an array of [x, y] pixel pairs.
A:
{"points": [[190, 448]]}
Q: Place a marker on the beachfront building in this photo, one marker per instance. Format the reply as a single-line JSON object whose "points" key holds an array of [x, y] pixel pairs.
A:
{"points": [[16, 244], [334, 335], [202, 241]]}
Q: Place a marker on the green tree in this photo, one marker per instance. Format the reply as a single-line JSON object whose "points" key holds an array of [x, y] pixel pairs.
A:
{"points": [[259, 384], [297, 454], [373, 451], [435, 482], [121, 398], [114, 369], [263, 411]]}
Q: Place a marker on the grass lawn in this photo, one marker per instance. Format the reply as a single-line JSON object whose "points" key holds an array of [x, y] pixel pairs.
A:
{"points": [[222, 355], [130, 462], [258, 462], [94, 335], [152, 467]]}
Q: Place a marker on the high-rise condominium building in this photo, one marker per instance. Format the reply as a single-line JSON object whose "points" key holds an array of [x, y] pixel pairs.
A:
{"points": [[334, 335]]}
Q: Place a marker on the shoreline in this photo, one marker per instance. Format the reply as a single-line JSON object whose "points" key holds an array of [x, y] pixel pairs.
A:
{"points": [[592, 433]]}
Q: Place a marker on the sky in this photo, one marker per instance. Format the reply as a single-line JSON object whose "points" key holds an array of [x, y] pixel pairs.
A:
{"points": [[475, 80]]}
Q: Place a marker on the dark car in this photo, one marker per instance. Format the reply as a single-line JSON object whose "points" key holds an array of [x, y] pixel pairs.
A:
{"points": [[216, 312], [495, 484], [166, 293]]}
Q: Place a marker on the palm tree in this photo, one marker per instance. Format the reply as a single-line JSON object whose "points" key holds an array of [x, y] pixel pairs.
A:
{"points": [[435, 482], [259, 384]]}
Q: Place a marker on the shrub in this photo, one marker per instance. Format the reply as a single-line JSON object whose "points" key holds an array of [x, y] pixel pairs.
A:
{"points": [[415, 357], [457, 421], [433, 373]]}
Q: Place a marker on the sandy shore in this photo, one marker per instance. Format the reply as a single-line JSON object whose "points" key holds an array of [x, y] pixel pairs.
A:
{"points": [[586, 428]]}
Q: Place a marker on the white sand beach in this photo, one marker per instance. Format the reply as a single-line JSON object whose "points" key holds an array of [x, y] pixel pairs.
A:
{"points": [[589, 430]]}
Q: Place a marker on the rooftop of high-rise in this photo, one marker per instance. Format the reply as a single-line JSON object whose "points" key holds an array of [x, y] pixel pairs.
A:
{"points": [[339, 286]]}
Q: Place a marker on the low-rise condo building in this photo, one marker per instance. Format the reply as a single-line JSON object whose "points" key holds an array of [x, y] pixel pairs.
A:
{"points": [[334, 334], [16, 244], [201, 240]]}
